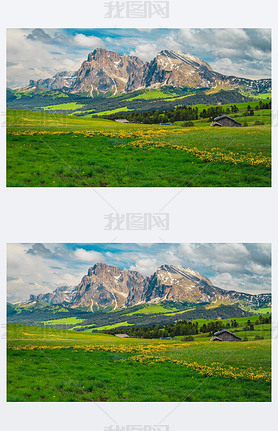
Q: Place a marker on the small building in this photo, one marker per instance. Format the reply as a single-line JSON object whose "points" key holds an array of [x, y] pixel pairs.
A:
{"points": [[225, 335], [122, 335], [121, 120], [166, 338], [226, 121]]}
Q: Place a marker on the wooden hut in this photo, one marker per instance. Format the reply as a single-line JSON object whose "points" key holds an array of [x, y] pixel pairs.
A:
{"points": [[225, 335], [226, 121]]}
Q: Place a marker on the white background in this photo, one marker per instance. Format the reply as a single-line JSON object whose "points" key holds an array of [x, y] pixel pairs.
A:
{"points": [[77, 215]]}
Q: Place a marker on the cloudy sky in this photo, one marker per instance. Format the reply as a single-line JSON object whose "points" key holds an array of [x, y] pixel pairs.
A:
{"points": [[40, 268], [40, 53]]}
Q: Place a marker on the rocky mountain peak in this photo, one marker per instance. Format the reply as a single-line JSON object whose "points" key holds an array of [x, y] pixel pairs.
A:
{"points": [[177, 57], [62, 294], [103, 55], [166, 53], [176, 269], [98, 268], [193, 272], [164, 267], [108, 286], [101, 268], [97, 53], [107, 71], [171, 274]]}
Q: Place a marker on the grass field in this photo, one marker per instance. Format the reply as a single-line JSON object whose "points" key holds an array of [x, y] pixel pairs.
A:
{"points": [[153, 94], [50, 150], [153, 309], [68, 106], [45, 364], [64, 321]]}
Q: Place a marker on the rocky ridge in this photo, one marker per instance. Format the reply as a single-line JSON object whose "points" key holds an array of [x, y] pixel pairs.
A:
{"points": [[108, 286], [109, 72]]}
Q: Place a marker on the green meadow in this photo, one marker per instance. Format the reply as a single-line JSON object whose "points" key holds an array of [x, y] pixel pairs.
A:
{"points": [[153, 309], [67, 106], [64, 321], [48, 364], [51, 150]]}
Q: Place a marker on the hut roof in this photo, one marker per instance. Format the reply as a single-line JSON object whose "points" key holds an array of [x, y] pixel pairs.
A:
{"points": [[120, 120], [226, 116], [225, 330], [122, 335]]}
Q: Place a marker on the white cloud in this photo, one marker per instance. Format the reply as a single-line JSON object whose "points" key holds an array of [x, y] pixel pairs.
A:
{"points": [[217, 253], [243, 267], [43, 53], [247, 49], [145, 52], [88, 256], [33, 59], [34, 273], [91, 42], [17, 66], [242, 283], [40, 268], [145, 266]]}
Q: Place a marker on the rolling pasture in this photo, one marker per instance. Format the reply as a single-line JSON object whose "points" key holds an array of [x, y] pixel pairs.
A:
{"points": [[52, 150], [48, 364]]}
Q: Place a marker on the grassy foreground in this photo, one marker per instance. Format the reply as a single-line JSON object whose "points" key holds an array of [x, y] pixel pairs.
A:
{"points": [[45, 364], [50, 150]]}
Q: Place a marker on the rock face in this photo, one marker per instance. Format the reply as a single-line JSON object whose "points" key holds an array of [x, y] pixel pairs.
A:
{"points": [[58, 296], [60, 80], [109, 72], [178, 70], [107, 286], [177, 284], [173, 283]]}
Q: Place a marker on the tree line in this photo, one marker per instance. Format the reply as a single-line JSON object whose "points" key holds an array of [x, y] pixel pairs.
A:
{"points": [[183, 328], [184, 113]]}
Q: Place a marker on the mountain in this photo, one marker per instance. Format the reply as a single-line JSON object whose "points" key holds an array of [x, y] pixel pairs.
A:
{"points": [[106, 287], [107, 72], [176, 69], [60, 80], [177, 284], [63, 294]]}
